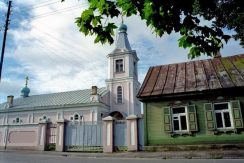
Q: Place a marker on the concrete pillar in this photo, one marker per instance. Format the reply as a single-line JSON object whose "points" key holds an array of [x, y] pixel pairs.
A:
{"points": [[108, 134], [132, 135], [42, 135], [60, 135]]}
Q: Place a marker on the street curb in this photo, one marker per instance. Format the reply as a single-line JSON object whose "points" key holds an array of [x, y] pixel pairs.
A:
{"points": [[230, 154]]}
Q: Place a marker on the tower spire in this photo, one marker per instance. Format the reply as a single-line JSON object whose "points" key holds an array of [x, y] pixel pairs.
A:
{"points": [[122, 43], [122, 19]]}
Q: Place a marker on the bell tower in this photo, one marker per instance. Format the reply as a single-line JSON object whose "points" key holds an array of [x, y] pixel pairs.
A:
{"points": [[122, 81]]}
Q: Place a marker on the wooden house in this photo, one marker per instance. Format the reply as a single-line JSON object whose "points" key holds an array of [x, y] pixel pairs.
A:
{"points": [[194, 104]]}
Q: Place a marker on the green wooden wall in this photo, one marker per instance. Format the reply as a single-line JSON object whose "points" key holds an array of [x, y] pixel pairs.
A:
{"points": [[155, 134]]}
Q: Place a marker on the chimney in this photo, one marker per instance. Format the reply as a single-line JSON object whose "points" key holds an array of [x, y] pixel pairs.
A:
{"points": [[94, 90], [10, 100]]}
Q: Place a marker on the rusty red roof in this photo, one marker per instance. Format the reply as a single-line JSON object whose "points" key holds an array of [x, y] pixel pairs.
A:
{"points": [[194, 76]]}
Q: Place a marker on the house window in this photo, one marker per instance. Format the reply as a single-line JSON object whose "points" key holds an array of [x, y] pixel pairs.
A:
{"points": [[182, 119], [179, 117], [119, 95], [223, 116], [119, 65]]}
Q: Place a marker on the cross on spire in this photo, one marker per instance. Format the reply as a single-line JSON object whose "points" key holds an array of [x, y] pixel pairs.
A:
{"points": [[122, 18], [26, 80]]}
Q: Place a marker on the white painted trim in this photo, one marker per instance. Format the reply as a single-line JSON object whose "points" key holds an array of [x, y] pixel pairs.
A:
{"points": [[132, 135], [60, 135], [222, 115], [178, 116], [108, 134]]}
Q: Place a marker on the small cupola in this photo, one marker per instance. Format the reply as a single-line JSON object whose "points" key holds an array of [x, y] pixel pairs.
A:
{"points": [[25, 90]]}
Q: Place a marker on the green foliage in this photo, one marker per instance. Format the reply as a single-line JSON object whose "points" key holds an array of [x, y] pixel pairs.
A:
{"points": [[164, 16], [51, 147]]}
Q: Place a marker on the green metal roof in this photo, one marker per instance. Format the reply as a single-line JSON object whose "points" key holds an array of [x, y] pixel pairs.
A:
{"points": [[55, 99]]}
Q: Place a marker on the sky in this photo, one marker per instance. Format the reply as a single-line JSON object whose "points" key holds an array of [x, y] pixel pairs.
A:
{"points": [[44, 43]]}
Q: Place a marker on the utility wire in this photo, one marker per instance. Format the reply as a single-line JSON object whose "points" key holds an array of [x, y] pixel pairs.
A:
{"points": [[71, 54], [38, 5], [57, 12], [58, 67], [34, 7], [54, 52], [68, 43]]}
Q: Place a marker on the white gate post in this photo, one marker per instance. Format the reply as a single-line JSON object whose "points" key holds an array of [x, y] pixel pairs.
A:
{"points": [[132, 134], [60, 135], [108, 134], [42, 135]]}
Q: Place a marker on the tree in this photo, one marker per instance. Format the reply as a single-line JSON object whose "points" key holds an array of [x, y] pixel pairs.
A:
{"points": [[166, 16]]}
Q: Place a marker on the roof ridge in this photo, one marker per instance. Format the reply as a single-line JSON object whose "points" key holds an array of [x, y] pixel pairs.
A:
{"points": [[198, 60], [60, 92]]}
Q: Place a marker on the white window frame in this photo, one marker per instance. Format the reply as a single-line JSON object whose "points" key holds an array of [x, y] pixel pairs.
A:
{"points": [[76, 120], [178, 115], [122, 95], [115, 65], [222, 115]]}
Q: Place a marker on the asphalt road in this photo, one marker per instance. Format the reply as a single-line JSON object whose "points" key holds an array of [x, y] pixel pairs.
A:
{"points": [[20, 157]]}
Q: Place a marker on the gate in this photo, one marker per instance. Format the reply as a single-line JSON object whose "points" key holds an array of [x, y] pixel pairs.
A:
{"points": [[120, 135], [51, 136], [83, 136]]}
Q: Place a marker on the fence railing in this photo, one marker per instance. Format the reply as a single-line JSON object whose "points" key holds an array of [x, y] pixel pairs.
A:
{"points": [[83, 136]]}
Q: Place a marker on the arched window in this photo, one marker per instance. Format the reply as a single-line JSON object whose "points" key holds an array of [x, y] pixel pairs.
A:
{"points": [[17, 120], [76, 117], [44, 117], [119, 95]]}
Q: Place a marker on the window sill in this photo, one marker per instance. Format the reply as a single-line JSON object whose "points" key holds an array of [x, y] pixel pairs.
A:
{"points": [[119, 103], [224, 131], [181, 133], [121, 72]]}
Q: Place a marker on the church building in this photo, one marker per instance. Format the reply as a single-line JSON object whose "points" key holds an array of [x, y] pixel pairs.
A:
{"points": [[21, 116]]}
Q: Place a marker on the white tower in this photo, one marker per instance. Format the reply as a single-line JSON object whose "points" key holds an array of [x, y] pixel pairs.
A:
{"points": [[122, 79]]}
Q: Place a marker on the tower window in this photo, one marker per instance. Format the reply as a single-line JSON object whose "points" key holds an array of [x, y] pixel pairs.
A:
{"points": [[119, 95], [119, 65], [135, 68]]}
